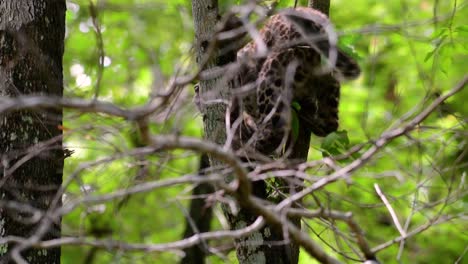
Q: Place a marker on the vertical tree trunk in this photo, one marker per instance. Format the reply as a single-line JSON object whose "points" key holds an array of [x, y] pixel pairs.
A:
{"points": [[205, 13], [31, 49], [200, 215], [268, 244], [321, 5]]}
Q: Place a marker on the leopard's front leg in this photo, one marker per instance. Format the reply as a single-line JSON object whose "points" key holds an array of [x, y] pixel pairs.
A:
{"points": [[275, 93]]}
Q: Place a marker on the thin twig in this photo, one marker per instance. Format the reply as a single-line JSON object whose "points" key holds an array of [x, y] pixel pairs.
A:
{"points": [[390, 210]]}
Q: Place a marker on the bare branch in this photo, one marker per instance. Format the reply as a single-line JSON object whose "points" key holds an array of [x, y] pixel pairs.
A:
{"points": [[384, 139], [390, 210], [118, 245]]}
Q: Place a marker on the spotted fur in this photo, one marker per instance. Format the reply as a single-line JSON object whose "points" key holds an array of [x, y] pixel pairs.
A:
{"points": [[298, 47]]}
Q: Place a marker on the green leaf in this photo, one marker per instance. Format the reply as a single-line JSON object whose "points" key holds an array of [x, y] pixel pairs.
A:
{"points": [[347, 44], [296, 106], [463, 28], [294, 124], [335, 143], [429, 55]]}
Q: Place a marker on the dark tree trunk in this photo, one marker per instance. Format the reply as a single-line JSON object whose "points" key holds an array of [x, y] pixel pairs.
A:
{"points": [[321, 5], [31, 49], [200, 218]]}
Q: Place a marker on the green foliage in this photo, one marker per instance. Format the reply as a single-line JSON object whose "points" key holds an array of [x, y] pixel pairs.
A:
{"points": [[295, 119], [335, 143]]}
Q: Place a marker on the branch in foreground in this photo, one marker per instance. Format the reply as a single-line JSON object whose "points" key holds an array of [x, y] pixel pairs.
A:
{"points": [[390, 210], [384, 139], [8, 104], [241, 189], [430, 223], [347, 217], [118, 245]]}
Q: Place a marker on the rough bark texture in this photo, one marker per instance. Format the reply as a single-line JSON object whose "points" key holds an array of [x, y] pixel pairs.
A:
{"points": [[31, 49], [205, 14]]}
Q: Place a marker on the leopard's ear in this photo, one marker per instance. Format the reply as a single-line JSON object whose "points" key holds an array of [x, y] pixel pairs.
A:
{"points": [[319, 33], [346, 66], [307, 21]]}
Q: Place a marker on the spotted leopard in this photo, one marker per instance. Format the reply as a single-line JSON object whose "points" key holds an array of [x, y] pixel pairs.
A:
{"points": [[294, 60]]}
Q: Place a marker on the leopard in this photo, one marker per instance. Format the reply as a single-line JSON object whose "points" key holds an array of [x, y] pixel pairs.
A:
{"points": [[295, 69]]}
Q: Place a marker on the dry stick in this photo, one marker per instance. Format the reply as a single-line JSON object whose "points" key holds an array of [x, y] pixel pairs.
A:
{"points": [[390, 210], [100, 45], [85, 106], [347, 217], [174, 246], [162, 247], [416, 231]]}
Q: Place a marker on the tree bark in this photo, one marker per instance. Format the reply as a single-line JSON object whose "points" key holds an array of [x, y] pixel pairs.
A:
{"points": [[321, 5], [31, 49], [205, 13]]}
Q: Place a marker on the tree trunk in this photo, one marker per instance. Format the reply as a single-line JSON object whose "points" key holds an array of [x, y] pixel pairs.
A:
{"points": [[205, 13], [200, 217], [267, 244], [31, 49], [321, 5]]}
